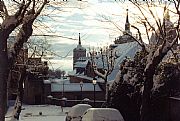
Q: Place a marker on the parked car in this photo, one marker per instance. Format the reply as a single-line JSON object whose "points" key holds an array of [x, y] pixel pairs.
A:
{"points": [[102, 114], [76, 112]]}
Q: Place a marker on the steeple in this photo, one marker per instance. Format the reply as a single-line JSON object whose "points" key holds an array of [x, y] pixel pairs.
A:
{"points": [[79, 39], [127, 24], [78, 52]]}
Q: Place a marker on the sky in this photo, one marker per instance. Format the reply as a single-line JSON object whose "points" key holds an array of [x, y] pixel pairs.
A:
{"points": [[94, 19], [87, 18]]}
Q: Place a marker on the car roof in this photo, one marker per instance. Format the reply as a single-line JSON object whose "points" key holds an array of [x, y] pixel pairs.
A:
{"points": [[106, 114], [78, 109]]}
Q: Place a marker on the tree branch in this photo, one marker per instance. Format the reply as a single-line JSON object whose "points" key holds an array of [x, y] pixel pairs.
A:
{"points": [[41, 8]]}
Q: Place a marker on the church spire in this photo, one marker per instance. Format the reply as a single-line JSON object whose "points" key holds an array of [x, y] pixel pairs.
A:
{"points": [[127, 24], [79, 39]]}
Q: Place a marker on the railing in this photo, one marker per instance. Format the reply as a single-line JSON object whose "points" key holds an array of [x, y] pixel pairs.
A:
{"points": [[66, 102]]}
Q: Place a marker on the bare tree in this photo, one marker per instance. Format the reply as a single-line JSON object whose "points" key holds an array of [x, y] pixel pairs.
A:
{"points": [[27, 12], [103, 63], [19, 18]]}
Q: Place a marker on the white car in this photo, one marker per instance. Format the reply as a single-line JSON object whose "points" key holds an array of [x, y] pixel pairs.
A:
{"points": [[76, 112], [102, 114]]}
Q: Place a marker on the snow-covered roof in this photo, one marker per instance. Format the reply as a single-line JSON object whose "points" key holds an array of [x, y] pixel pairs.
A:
{"points": [[102, 114], [123, 51], [83, 58], [47, 81], [74, 87], [78, 110], [56, 80], [80, 64], [98, 60], [72, 72]]}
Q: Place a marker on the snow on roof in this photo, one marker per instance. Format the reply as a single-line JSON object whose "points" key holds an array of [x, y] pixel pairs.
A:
{"points": [[81, 64], [57, 80], [72, 72], [123, 51], [81, 75], [85, 77], [102, 114], [78, 110], [83, 58], [47, 81], [74, 87], [98, 60], [60, 81]]}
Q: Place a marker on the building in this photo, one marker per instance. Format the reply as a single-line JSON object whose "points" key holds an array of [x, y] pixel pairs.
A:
{"points": [[84, 66], [170, 31], [127, 34], [34, 88], [79, 84], [170, 34], [125, 46], [15, 75], [75, 92], [83, 71], [78, 52]]}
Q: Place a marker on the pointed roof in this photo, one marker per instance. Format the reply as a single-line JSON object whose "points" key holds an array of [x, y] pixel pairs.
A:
{"points": [[127, 24], [79, 39], [127, 17], [79, 46]]}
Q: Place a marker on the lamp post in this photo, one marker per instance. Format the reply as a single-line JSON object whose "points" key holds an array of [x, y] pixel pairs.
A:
{"points": [[94, 83], [81, 86]]}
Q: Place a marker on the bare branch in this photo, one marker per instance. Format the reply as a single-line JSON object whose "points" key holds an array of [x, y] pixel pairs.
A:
{"points": [[140, 41], [20, 9], [157, 23], [103, 76], [5, 9], [147, 33], [40, 9]]}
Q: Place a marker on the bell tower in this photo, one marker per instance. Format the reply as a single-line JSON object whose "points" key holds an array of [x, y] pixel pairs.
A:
{"points": [[127, 24], [78, 52]]}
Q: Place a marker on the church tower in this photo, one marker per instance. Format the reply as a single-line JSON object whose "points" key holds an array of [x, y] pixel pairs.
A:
{"points": [[127, 24], [78, 52], [126, 37]]}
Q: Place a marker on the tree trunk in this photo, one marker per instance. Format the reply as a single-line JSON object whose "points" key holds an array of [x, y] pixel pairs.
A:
{"points": [[146, 111], [3, 75], [19, 98]]}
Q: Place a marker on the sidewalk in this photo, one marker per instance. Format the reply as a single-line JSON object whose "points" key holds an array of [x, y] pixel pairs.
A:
{"points": [[39, 113]]}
